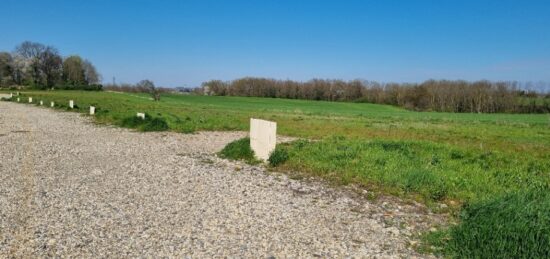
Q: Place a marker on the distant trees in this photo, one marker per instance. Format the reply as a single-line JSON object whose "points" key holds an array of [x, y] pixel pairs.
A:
{"points": [[431, 95], [39, 66], [143, 86]]}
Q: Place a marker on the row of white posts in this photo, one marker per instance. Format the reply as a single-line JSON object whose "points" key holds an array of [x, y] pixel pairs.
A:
{"points": [[52, 104], [263, 134]]}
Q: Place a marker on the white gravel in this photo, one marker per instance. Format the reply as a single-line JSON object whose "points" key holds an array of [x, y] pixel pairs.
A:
{"points": [[69, 188]]}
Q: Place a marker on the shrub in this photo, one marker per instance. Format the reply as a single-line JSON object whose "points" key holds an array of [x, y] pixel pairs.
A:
{"points": [[278, 156], [156, 124], [514, 225], [132, 122], [239, 150], [147, 124]]}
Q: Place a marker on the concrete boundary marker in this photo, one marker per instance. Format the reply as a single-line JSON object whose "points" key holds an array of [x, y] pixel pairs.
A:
{"points": [[52, 104], [141, 115], [92, 110], [71, 104], [263, 137], [30, 99]]}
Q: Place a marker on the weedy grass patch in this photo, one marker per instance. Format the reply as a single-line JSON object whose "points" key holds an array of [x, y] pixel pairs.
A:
{"points": [[511, 225], [239, 150], [428, 171], [147, 124], [278, 156]]}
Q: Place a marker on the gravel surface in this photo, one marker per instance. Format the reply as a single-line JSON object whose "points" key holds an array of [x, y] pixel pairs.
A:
{"points": [[69, 188]]}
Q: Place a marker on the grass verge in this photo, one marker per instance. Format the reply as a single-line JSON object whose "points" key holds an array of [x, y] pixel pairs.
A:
{"points": [[422, 170]]}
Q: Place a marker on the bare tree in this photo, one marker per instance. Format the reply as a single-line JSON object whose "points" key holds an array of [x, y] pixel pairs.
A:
{"points": [[50, 64], [149, 86], [31, 52], [90, 73], [6, 69]]}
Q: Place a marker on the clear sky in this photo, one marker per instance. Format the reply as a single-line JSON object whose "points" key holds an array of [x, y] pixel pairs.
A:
{"points": [[183, 43]]}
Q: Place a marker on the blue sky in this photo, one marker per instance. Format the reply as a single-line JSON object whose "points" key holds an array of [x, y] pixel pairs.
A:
{"points": [[183, 43]]}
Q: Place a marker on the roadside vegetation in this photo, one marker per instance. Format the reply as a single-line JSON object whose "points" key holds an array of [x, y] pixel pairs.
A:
{"points": [[239, 150], [492, 171]]}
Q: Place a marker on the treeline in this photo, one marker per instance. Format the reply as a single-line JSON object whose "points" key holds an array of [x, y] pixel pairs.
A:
{"points": [[38, 66], [143, 86], [431, 95]]}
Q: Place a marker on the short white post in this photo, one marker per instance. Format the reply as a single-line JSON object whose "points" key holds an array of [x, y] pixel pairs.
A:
{"points": [[30, 99], [92, 110], [141, 115], [71, 104], [52, 104], [17, 93], [18, 99], [263, 137], [41, 103], [11, 95]]}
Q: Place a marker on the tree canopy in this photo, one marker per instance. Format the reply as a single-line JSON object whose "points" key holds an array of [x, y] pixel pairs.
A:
{"points": [[36, 65]]}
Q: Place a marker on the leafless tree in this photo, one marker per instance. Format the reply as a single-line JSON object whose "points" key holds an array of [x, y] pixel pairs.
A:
{"points": [[90, 73], [149, 86], [31, 53], [50, 64], [6, 69]]}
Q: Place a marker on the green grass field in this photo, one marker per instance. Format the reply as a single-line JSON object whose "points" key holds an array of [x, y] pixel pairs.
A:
{"points": [[457, 159]]}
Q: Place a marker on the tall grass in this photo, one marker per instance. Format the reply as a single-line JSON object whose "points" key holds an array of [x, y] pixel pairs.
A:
{"points": [[514, 225], [239, 150]]}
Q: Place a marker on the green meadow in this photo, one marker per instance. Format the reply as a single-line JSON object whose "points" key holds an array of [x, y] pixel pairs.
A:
{"points": [[465, 160]]}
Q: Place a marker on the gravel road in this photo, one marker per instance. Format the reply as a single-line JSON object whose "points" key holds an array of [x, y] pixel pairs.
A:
{"points": [[70, 188]]}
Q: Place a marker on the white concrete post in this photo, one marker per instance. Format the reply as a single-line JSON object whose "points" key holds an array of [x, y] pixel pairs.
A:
{"points": [[71, 104], [30, 99], [18, 99], [52, 104], [141, 115], [41, 103], [92, 110], [263, 137], [11, 95]]}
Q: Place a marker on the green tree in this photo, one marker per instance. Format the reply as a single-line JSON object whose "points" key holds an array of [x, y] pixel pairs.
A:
{"points": [[73, 71]]}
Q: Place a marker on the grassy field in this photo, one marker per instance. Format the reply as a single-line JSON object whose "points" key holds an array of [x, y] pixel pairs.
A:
{"points": [[463, 160]]}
